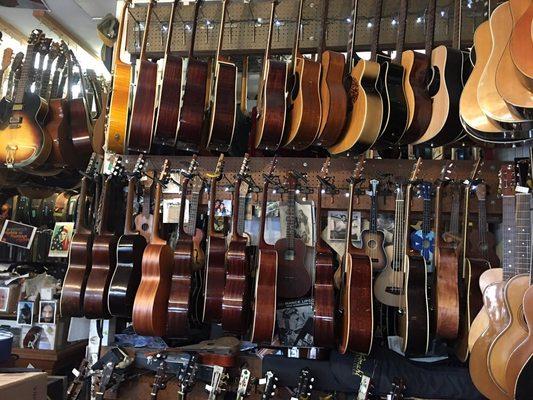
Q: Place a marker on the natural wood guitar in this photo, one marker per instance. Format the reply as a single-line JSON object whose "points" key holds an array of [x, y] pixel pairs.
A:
{"points": [[372, 238], [521, 46]]}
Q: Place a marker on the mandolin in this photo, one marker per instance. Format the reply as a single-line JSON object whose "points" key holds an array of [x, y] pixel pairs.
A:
{"points": [[151, 300], [215, 272], [117, 116], [143, 104], [265, 288], [271, 99], [166, 121], [224, 95], [236, 297], [130, 247], [356, 299], [423, 240], [372, 238], [304, 107]]}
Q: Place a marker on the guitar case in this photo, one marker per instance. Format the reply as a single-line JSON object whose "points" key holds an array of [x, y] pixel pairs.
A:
{"points": [[446, 379]]}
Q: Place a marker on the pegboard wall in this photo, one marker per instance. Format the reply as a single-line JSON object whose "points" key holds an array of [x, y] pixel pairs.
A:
{"points": [[247, 25]]}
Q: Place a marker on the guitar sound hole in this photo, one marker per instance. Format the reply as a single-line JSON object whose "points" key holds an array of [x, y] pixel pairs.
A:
{"points": [[145, 226], [393, 290], [372, 244], [426, 244], [289, 255]]}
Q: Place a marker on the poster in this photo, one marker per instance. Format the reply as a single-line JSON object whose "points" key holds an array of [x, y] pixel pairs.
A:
{"points": [[61, 238], [337, 221], [17, 234]]}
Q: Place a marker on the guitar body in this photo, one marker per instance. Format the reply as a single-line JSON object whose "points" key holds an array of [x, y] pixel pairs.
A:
{"points": [[142, 111], [485, 251], [99, 127], [373, 244], [127, 275], [324, 301], [79, 267], [294, 280], [305, 108], [357, 321], [224, 109], [166, 124], [521, 45], [57, 128], [179, 298], [117, 117], [388, 284], [425, 244], [193, 106], [365, 110], [446, 291], [236, 298], [414, 321], [151, 300], [104, 261], [333, 98], [198, 258], [78, 147], [264, 313], [419, 102], [215, 276], [271, 121]]}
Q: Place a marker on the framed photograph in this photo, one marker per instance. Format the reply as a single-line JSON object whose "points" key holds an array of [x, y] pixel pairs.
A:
{"points": [[303, 228], [222, 208], [17, 234], [47, 312], [61, 237], [337, 221], [25, 312], [4, 298]]}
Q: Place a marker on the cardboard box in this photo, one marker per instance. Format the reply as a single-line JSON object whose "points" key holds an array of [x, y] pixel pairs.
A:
{"points": [[25, 385]]}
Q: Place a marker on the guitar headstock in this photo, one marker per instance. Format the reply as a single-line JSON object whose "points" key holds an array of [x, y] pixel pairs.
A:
{"points": [[481, 191], [446, 172], [165, 168], [76, 385], [416, 170], [93, 165], [523, 176], [270, 382], [305, 384], [116, 168], [358, 171], [6, 58], [219, 169], [187, 377], [243, 390], [425, 190], [161, 378], [324, 171], [35, 37], [43, 46], [507, 178], [397, 389], [475, 170], [105, 379], [218, 381], [374, 183], [242, 175], [17, 61], [270, 174], [55, 49], [139, 166], [193, 165]]}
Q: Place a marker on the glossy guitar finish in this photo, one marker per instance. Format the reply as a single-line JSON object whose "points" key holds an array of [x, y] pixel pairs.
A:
{"points": [[372, 239], [521, 46]]}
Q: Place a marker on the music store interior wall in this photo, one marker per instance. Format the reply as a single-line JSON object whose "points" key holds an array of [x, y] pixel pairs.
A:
{"points": [[266, 199]]}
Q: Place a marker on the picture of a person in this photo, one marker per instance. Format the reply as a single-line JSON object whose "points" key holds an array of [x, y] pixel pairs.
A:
{"points": [[4, 298], [25, 313], [47, 313], [61, 241], [302, 226]]}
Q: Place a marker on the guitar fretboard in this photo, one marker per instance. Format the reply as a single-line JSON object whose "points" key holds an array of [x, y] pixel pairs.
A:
{"points": [[522, 242], [508, 216]]}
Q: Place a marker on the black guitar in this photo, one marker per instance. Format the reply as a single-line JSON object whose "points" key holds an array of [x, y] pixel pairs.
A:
{"points": [[161, 378], [305, 385], [187, 377], [73, 391], [270, 385]]}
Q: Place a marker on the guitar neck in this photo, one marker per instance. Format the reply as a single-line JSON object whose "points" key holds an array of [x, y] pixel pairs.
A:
{"points": [[375, 30], [297, 36], [193, 212], [426, 223], [170, 28], [374, 214], [400, 38], [291, 217], [407, 207], [194, 27], [351, 53], [212, 198], [242, 215], [430, 27], [349, 244], [221, 30], [262, 243], [457, 22], [26, 75], [45, 82], [455, 212], [508, 234], [128, 224], [482, 226], [184, 186], [323, 30], [399, 239], [522, 247]]}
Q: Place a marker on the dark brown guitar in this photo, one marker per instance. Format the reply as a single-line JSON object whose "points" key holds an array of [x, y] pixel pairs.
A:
{"points": [[294, 280], [373, 239], [145, 220], [215, 272], [151, 300]]}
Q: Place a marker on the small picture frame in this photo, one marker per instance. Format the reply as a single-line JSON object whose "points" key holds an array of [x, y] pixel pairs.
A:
{"points": [[47, 312], [337, 221], [17, 234], [61, 238], [4, 298], [25, 312]]}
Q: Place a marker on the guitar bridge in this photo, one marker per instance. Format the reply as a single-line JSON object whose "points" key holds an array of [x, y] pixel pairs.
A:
{"points": [[393, 290]]}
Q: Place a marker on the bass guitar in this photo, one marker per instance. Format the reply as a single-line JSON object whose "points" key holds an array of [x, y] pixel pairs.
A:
{"points": [[374, 240], [423, 240]]}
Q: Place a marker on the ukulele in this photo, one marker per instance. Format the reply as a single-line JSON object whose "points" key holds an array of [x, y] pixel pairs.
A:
{"points": [[151, 300], [374, 240], [104, 252], [187, 377], [271, 100], [305, 385], [166, 121], [143, 104], [130, 249], [325, 263], [193, 103], [294, 281], [270, 385], [356, 298], [365, 107], [79, 262], [215, 273], [236, 297], [304, 106], [413, 317], [145, 220], [117, 116], [265, 288], [180, 289], [423, 240]]}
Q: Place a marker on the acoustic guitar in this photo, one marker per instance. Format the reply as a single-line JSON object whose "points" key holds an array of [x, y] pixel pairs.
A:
{"points": [[130, 249], [356, 299], [304, 96], [151, 301], [265, 288], [423, 239], [521, 44], [224, 95], [7, 100], [166, 121], [215, 272], [271, 99], [193, 103], [373, 239], [4, 65], [145, 220], [143, 105]]}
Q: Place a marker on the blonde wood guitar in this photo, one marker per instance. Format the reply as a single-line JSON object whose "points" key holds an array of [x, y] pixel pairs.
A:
{"points": [[521, 46]]}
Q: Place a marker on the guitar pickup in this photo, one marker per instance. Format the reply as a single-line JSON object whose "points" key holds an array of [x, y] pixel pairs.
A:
{"points": [[15, 122]]}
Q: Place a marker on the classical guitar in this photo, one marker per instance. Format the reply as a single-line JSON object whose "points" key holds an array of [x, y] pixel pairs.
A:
{"points": [[236, 297], [356, 301], [265, 293], [193, 103], [166, 122], [224, 95], [325, 263], [294, 280], [130, 248], [151, 300], [365, 107], [145, 220], [79, 262], [143, 104], [117, 117], [271, 99], [304, 96], [423, 240], [104, 252], [180, 289], [413, 318], [521, 44], [372, 238], [215, 272], [25, 144]]}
